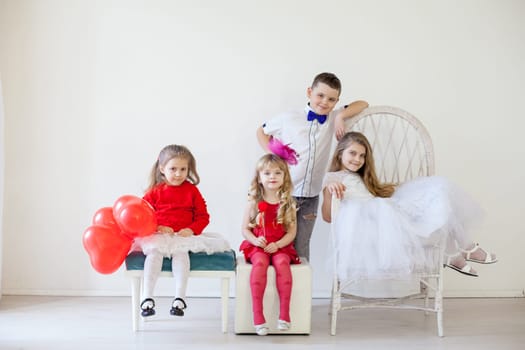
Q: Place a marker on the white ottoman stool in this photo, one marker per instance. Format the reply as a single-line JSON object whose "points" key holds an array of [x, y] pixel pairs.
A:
{"points": [[300, 304]]}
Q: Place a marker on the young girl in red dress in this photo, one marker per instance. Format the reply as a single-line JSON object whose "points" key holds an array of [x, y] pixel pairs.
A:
{"points": [[181, 215], [269, 228]]}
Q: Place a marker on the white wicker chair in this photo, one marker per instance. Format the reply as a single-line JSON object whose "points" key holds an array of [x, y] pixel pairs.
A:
{"points": [[402, 150]]}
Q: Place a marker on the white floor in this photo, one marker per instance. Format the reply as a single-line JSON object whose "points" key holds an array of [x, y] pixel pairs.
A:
{"points": [[97, 323]]}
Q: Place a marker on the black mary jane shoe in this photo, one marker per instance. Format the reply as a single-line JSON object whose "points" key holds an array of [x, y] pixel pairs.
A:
{"points": [[146, 310], [175, 310]]}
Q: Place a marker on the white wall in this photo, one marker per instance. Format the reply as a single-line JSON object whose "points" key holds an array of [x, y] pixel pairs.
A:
{"points": [[94, 89], [2, 167]]}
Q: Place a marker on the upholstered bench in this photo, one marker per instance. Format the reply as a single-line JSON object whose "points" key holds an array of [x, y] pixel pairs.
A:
{"points": [[218, 265], [300, 303]]}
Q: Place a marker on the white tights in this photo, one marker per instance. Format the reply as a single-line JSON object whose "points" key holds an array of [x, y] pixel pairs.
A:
{"points": [[180, 266]]}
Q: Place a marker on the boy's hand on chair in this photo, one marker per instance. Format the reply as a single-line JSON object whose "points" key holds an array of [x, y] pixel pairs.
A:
{"points": [[339, 126]]}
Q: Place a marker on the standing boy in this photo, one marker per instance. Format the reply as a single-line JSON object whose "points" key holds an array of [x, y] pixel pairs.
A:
{"points": [[310, 133]]}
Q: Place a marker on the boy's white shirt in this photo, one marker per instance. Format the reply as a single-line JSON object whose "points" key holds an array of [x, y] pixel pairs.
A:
{"points": [[311, 140]]}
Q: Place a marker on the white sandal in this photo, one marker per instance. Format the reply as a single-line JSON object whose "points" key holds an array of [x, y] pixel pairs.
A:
{"points": [[466, 270], [261, 329], [488, 255], [283, 325]]}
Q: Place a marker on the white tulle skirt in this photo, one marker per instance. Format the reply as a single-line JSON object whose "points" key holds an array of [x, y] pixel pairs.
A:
{"points": [[168, 244], [382, 238]]}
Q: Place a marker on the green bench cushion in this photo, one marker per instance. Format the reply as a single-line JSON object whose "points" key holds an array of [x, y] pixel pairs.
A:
{"points": [[223, 261]]}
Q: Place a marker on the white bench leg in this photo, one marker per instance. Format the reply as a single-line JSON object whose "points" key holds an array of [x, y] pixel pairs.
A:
{"points": [[225, 294], [135, 302]]}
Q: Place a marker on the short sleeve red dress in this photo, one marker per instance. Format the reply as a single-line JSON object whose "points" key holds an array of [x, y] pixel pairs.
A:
{"points": [[272, 231]]}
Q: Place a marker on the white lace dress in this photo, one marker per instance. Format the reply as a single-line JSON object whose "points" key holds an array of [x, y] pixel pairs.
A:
{"points": [[378, 238]]}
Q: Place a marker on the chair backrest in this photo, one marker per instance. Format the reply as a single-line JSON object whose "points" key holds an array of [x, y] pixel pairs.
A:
{"points": [[402, 146]]}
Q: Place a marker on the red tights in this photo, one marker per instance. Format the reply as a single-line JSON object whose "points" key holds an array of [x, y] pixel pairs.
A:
{"points": [[281, 263]]}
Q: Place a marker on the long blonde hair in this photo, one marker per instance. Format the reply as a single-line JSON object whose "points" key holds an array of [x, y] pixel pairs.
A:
{"points": [[286, 214], [168, 153], [367, 171]]}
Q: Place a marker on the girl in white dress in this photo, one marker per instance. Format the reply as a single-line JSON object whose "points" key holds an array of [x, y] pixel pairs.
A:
{"points": [[381, 229]]}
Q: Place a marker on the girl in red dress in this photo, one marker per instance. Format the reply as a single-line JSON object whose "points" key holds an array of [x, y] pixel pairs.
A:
{"points": [[181, 215], [269, 228]]}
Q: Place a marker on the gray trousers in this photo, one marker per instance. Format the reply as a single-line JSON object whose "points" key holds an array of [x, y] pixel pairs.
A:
{"points": [[306, 215]]}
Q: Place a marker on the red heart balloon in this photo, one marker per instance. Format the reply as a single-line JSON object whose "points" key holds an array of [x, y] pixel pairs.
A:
{"points": [[137, 218], [106, 247], [123, 201], [104, 216]]}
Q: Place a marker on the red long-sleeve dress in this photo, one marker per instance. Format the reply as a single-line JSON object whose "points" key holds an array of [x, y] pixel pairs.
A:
{"points": [[180, 207]]}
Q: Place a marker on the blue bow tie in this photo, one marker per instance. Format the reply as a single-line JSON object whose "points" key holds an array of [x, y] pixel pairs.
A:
{"points": [[312, 115]]}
